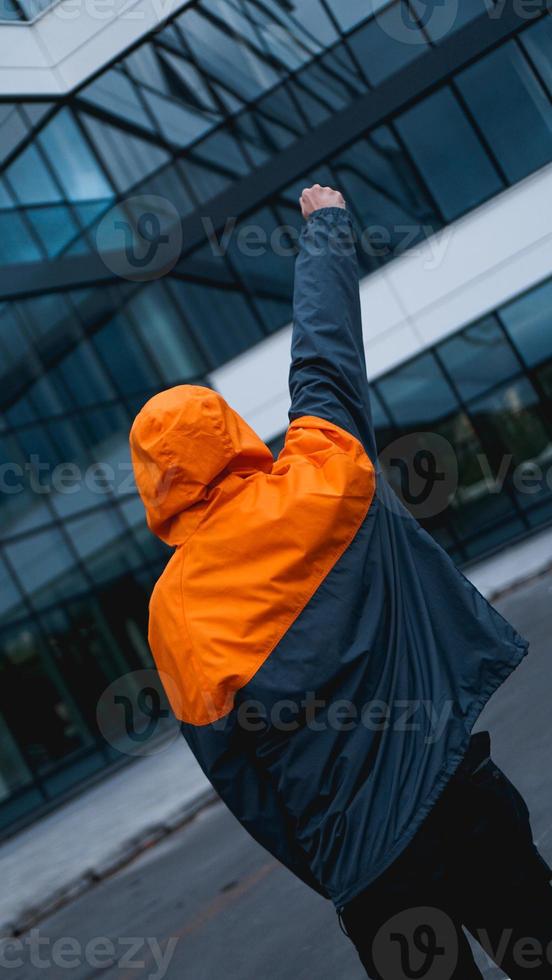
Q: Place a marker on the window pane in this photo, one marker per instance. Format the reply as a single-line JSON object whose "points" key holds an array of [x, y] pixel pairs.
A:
{"points": [[39, 558], [349, 13], [304, 21], [479, 358], [14, 128], [473, 508], [31, 180], [165, 335], [10, 595], [128, 159], [446, 16], [221, 320], [225, 57], [6, 199], [385, 192], [178, 123], [85, 377], [418, 393], [517, 427], [16, 242], [529, 323], [387, 43], [40, 718], [116, 93], [54, 226], [72, 159], [455, 166], [537, 41], [127, 361], [512, 109], [8, 11]]}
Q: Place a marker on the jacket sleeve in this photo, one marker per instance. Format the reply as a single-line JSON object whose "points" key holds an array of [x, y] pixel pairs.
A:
{"points": [[328, 369], [249, 795]]}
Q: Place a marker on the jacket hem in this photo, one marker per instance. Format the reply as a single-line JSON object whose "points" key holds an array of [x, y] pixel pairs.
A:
{"points": [[445, 775]]}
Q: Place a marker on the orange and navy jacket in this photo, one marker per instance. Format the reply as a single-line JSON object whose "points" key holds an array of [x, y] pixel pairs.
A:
{"points": [[324, 655]]}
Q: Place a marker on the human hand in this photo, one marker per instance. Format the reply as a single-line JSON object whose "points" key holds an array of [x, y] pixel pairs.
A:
{"points": [[316, 197]]}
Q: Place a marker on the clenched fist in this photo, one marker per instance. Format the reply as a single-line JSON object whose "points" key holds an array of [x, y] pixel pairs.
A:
{"points": [[314, 198]]}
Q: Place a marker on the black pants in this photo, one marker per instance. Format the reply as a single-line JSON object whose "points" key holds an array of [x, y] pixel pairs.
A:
{"points": [[472, 864]]}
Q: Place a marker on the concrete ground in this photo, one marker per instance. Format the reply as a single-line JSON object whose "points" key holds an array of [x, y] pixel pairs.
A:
{"points": [[104, 826], [207, 902]]}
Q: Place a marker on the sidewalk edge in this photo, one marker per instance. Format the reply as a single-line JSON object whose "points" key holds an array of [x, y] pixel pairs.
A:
{"points": [[114, 862]]}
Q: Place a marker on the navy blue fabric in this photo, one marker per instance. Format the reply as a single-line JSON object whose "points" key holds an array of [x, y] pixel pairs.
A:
{"points": [[328, 370], [364, 709]]}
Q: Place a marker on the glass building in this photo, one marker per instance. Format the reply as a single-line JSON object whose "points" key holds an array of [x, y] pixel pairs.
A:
{"points": [[424, 114]]}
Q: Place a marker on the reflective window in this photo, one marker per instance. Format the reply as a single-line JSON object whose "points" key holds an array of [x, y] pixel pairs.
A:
{"points": [[447, 16], [479, 358], [31, 180], [13, 129], [11, 599], [128, 362], [349, 13], [417, 393], [387, 43], [34, 703], [39, 558], [225, 58], [529, 324], [6, 198], [116, 93], [84, 377], [17, 243], [159, 325], [128, 158], [55, 228], [32, 8], [456, 168], [178, 123], [9, 11], [512, 108], [389, 199], [517, 427], [474, 508], [73, 160], [221, 320], [537, 42]]}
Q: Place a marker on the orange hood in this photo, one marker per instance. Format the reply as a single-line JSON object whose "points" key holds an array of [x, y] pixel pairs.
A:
{"points": [[183, 443]]}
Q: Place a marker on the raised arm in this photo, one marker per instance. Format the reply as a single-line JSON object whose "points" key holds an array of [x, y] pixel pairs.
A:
{"points": [[328, 370]]}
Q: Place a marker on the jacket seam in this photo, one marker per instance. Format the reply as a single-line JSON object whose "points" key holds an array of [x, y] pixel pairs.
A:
{"points": [[283, 625]]}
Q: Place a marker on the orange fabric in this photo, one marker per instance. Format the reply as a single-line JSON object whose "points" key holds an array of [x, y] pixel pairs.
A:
{"points": [[255, 537]]}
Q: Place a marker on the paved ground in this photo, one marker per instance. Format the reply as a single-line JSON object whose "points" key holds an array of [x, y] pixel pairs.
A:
{"points": [[97, 829], [215, 905]]}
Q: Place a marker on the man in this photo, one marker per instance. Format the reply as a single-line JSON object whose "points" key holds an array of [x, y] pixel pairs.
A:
{"points": [[327, 659]]}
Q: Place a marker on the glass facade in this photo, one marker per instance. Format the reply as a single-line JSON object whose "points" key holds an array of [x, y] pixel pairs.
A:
{"points": [[225, 88], [488, 391], [23, 11]]}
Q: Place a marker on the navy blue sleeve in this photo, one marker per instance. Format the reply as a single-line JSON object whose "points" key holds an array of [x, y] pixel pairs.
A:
{"points": [[328, 369]]}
